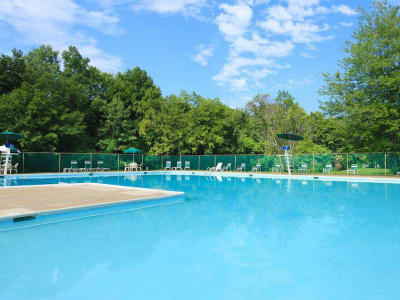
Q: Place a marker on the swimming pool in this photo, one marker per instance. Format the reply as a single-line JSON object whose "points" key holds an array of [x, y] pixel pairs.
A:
{"points": [[232, 238]]}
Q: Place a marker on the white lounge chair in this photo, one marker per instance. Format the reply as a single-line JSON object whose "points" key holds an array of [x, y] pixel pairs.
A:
{"points": [[242, 167], [228, 167], [14, 168], [328, 169], [187, 165], [74, 166], [277, 168], [353, 169], [88, 166], [218, 168], [303, 168], [257, 168], [100, 166], [178, 166], [168, 165]]}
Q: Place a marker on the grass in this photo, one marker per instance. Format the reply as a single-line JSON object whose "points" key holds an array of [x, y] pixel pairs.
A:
{"points": [[365, 171]]}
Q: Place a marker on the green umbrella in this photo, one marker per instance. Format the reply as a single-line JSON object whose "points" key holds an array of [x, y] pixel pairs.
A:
{"points": [[132, 150], [11, 135], [290, 136]]}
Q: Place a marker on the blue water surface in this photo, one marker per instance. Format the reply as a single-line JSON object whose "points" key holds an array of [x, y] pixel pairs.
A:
{"points": [[232, 238]]}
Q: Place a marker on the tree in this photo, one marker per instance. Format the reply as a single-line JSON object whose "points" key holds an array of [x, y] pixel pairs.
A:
{"points": [[131, 101], [271, 117], [364, 94], [12, 70]]}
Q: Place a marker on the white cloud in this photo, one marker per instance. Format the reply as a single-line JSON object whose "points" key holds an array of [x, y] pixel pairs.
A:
{"points": [[306, 55], [234, 19], [186, 7], [346, 24], [204, 54], [344, 9], [296, 21], [294, 82], [54, 23], [251, 57]]}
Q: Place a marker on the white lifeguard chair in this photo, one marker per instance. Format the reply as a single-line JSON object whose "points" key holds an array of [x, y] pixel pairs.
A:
{"points": [[287, 157], [7, 151]]}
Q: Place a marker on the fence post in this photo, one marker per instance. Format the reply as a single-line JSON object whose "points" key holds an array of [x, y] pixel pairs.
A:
{"points": [[313, 164], [59, 162], [347, 163], [215, 160], [385, 164], [198, 163], [162, 162], [118, 161], [91, 160], [235, 163], [23, 162]]}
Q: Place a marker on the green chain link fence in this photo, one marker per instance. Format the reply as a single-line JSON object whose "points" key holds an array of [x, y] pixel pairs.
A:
{"points": [[373, 164]]}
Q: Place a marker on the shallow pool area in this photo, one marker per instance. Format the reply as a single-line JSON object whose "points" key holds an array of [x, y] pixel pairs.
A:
{"points": [[231, 237]]}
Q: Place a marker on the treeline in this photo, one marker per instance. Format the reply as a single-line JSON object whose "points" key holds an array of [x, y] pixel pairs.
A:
{"points": [[61, 103]]}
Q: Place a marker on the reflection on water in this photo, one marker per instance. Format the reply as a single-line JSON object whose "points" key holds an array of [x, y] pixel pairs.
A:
{"points": [[234, 238]]}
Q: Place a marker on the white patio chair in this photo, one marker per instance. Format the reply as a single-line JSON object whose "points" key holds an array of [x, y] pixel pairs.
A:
{"points": [[187, 165], [328, 169], [303, 168], [353, 169], [257, 168]]}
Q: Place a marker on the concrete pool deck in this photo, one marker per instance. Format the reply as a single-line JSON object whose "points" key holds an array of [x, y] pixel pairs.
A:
{"points": [[22, 201]]}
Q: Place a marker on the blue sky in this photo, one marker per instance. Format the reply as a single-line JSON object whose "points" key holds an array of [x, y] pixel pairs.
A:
{"points": [[231, 50]]}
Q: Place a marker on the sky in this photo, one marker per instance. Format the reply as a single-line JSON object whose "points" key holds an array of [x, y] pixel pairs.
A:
{"points": [[231, 50]]}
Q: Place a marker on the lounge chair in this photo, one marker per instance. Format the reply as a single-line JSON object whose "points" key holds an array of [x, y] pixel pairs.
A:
{"points": [[303, 168], [178, 166], [328, 169], [218, 168], [257, 168], [14, 168], [100, 167], [126, 167], [88, 166], [353, 169], [74, 166], [168, 165], [277, 168], [187, 165], [228, 167], [242, 167]]}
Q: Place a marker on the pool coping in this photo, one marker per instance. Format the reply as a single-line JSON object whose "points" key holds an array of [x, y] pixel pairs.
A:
{"points": [[163, 195], [349, 178]]}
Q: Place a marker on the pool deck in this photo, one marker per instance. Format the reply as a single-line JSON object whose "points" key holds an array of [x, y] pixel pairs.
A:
{"points": [[22, 201]]}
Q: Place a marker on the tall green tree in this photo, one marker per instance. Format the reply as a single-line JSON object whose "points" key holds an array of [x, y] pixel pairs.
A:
{"points": [[269, 117], [12, 71], [364, 94], [132, 100]]}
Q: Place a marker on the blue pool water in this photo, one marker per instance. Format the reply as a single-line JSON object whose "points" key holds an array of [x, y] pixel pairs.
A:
{"points": [[232, 238]]}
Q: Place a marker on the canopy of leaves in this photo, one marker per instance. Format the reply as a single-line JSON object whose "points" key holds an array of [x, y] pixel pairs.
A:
{"points": [[364, 94]]}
